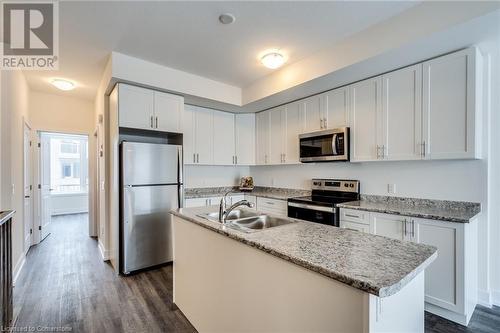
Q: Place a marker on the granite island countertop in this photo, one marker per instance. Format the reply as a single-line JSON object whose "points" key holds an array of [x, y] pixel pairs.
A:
{"points": [[258, 191], [374, 264], [453, 211]]}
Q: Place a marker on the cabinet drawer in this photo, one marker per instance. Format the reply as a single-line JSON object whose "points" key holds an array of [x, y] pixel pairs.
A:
{"points": [[355, 226], [358, 216], [272, 206]]}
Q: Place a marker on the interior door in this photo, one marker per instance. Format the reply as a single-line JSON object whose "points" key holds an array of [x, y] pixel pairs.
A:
{"points": [[46, 204], [28, 189]]}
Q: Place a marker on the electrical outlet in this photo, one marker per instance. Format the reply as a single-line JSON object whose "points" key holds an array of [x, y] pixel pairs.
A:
{"points": [[391, 188]]}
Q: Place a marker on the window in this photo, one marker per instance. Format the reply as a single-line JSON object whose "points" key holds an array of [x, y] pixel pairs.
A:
{"points": [[68, 163], [69, 147]]}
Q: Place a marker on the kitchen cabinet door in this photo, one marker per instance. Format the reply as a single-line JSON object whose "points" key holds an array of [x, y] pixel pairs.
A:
{"points": [[449, 106], [262, 134], [402, 114], [334, 107], [313, 117], [444, 278], [195, 202], [223, 138], [135, 107], [292, 124], [392, 226], [275, 136], [168, 112], [245, 138], [366, 119], [189, 134], [204, 136]]}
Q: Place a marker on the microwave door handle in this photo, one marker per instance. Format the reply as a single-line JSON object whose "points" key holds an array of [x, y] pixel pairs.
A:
{"points": [[334, 144]]}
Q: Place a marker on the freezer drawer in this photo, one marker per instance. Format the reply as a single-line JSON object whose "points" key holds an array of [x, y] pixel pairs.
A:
{"points": [[147, 163], [146, 229]]}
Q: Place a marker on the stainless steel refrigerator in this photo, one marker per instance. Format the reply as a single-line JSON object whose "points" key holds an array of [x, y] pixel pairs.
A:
{"points": [[151, 187]]}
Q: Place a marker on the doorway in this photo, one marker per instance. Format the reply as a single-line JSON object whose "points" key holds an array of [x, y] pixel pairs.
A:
{"points": [[63, 178]]}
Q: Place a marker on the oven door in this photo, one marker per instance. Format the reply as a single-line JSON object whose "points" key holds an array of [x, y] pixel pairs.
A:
{"points": [[323, 146], [313, 213]]}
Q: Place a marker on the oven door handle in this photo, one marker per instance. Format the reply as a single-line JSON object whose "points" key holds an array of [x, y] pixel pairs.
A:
{"points": [[312, 207], [334, 144]]}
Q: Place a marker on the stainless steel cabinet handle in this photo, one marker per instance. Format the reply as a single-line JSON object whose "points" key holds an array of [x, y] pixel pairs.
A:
{"points": [[404, 227], [423, 149], [378, 152], [355, 216], [284, 158], [156, 122], [320, 122], [236, 159], [194, 158], [383, 151], [412, 228], [151, 121], [325, 125], [233, 159], [197, 158]]}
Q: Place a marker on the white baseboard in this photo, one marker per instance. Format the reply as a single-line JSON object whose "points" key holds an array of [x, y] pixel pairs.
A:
{"points": [[17, 269], [484, 298], [495, 297], [103, 251]]}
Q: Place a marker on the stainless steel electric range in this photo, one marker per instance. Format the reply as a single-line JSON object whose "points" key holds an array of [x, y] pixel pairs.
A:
{"points": [[321, 205]]}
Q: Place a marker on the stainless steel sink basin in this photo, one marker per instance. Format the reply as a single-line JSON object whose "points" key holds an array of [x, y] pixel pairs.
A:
{"points": [[233, 215], [248, 220], [260, 222]]}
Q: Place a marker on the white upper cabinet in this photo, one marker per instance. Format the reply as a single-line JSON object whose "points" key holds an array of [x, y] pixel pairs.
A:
{"points": [[335, 108], [204, 134], [188, 129], [313, 117], [135, 107], [245, 138], [292, 125], [450, 116], [168, 110], [365, 118], [223, 138], [262, 136], [148, 109], [198, 135], [276, 135], [402, 114]]}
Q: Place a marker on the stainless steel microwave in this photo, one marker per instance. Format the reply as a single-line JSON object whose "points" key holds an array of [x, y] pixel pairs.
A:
{"points": [[325, 146]]}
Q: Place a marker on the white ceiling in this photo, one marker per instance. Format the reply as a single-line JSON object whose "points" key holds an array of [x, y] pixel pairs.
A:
{"points": [[187, 36]]}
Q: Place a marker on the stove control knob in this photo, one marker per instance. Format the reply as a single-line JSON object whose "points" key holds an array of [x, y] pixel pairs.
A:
{"points": [[317, 183], [352, 185], [346, 185]]}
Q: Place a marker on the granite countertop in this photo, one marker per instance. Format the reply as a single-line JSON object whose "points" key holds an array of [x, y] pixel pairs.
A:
{"points": [[453, 211], [258, 191], [377, 265], [6, 215]]}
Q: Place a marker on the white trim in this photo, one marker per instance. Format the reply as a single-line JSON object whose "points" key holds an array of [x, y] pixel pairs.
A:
{"points": [[445, 313], [495, 297], [18, 268], [484, 298], [104, 253]]}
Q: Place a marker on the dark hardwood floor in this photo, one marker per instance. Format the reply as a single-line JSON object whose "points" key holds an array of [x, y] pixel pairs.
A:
{"points": [[66, 284]]}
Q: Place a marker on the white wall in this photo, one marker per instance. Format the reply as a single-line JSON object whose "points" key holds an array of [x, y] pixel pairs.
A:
{"points": [[64, 114], [70, 203], [213, 176], [14, 109]]}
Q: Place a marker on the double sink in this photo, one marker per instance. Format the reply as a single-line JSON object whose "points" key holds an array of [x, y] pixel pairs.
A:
{"points": [[248, 220]]}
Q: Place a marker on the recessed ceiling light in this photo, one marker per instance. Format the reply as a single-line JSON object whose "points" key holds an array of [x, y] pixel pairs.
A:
{"points": [[63, 84], [273, 60], [227, 18]]}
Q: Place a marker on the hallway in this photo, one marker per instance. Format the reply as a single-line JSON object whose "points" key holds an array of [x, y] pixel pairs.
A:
{"points": [[66, 284]]}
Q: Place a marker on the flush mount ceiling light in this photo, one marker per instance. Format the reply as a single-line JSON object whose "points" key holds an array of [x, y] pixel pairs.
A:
{"points": [[63, 84], [227, 18], [273, 60]]}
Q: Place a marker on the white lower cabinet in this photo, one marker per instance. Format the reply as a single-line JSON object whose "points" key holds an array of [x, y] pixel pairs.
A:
{"points": [[451, 280], [272, 206]]}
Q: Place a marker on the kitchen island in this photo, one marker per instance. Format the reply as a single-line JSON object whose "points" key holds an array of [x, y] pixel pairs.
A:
{"points": [[297, 277]]}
